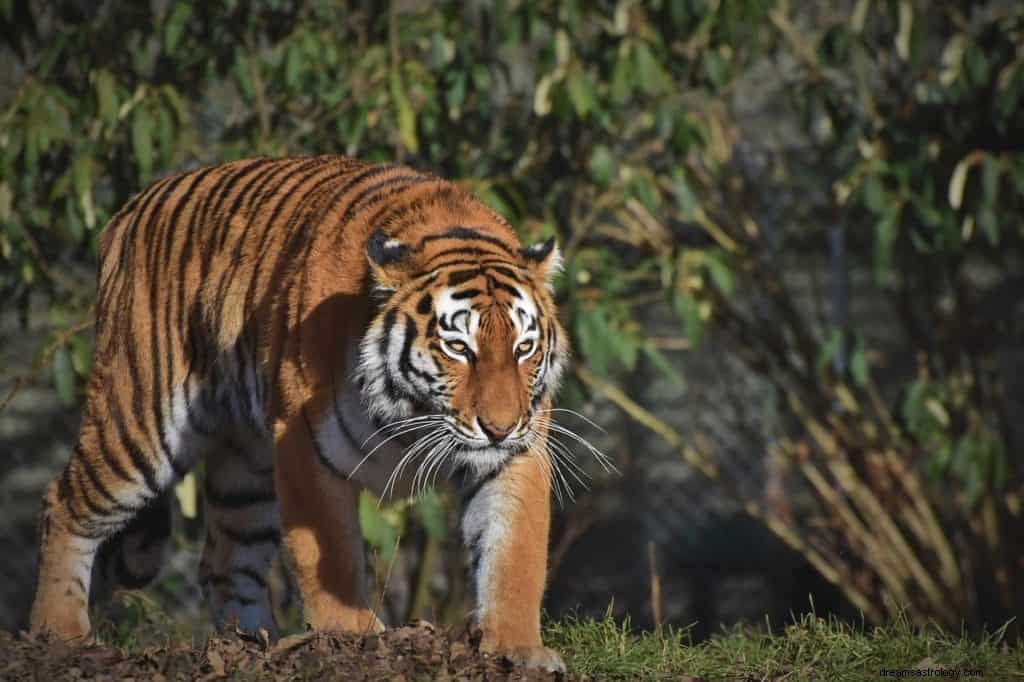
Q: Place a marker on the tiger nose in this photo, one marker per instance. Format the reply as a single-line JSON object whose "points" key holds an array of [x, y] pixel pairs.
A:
{"points": [[494, 432]]}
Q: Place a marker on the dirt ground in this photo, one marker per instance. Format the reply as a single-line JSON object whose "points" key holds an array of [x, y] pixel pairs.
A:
{"points": [[406, 653]]}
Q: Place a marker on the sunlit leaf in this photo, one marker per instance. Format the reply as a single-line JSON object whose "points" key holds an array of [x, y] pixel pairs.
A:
{"points": [[378, 532]]}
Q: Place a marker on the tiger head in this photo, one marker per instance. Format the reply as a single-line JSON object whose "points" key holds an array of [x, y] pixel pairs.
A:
{"points": [[467, 345]]}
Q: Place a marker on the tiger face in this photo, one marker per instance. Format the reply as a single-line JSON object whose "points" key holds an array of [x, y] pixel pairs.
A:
{"points": [[472, 347]]}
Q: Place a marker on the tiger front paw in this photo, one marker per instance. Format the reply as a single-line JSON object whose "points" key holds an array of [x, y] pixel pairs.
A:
{"points": [[536, 657], [533, 656], [67, 626]]}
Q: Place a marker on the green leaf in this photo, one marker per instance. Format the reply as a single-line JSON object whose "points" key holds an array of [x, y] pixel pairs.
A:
{"points": [[646, 192], [717, 69], [990, 179], [73, 223], [859, 363], [989, 196], [293, 66], [832, 347], [581, 92], [64, 376], [721, 273], [650, 75], [175, 26], [689, 309], [456, 93], [874, 194], [177, 104], [622, 76], [663, 364], [81, 355], [142, 142], [165, 134], [595, 336], [884, 246], [974, 484], [106, 97], [495, 201], [977, 65], [685, 197], [405, 113], [989, 224], [602, 165], [81, 180], [432, 515], [378, 532]]}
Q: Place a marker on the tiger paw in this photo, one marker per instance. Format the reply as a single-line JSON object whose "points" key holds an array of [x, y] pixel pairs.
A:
{"points": [[536, 657], [346, 620], [69, 628]]}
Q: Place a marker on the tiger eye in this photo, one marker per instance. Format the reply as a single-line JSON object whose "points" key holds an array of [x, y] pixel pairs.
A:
{"points": [[525, 347], [456, 346]]}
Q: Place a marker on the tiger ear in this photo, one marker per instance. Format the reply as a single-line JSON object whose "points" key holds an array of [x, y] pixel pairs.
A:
{"points": [[388, 260], [544, 260]]}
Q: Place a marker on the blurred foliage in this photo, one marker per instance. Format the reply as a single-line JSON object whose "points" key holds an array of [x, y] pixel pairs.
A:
{"points": [[619, 127]]}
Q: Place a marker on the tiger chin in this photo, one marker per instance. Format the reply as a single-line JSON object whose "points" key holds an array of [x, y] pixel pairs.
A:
{"points": [[307, 327]]}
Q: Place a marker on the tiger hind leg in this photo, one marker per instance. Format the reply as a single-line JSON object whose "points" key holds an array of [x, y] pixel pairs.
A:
{"points": [[242, 536], [97, 495], [134, 557]]}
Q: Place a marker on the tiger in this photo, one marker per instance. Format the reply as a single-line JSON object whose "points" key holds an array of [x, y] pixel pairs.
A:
{"points": [[305, 327]]}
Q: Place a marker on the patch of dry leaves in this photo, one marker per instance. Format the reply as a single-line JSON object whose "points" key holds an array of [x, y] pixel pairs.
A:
{"points": [[415, 652]]}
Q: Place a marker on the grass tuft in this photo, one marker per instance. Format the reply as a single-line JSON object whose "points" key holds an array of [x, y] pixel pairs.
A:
{"points": [[811, 648]]}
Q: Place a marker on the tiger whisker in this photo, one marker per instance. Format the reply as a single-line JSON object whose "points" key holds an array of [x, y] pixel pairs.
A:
{"points": [[410, 454], [545, 458], [436, 454], [601, 458], [575, 414], [428, 448], [402, 422], [407, 430], [566, 456], [562, 461], [452, 445]]}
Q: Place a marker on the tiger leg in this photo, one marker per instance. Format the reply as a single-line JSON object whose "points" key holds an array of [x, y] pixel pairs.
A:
{"points": [[242, 534], [319, 513], [94, 498], [134, 557], [505, 525]]}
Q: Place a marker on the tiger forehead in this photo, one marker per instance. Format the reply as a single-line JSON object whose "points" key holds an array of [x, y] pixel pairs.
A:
{"points": [[479, 287]]}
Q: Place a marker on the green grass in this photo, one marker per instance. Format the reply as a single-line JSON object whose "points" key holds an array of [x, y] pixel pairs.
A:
{"points": [[810, 649]]}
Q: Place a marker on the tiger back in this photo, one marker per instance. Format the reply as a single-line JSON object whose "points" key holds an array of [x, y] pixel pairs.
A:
{"points": [[305, 327]]}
